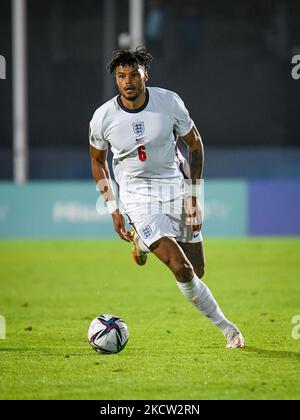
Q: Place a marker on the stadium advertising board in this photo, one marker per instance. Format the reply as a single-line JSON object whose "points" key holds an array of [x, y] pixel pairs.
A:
{"points": [[68, 209]]}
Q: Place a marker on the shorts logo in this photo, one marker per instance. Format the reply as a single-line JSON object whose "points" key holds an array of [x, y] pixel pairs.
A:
{"points": [[138, 128], [146, 232]]}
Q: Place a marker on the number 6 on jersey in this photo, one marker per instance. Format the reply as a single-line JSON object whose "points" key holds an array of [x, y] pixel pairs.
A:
{"points": [[142, 153]]}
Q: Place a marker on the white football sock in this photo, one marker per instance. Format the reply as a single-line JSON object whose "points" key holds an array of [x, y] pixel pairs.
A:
{"points": [[201, 297]]}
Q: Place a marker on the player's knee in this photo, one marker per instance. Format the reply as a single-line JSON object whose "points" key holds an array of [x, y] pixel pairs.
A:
{"points": [[182, 270]]}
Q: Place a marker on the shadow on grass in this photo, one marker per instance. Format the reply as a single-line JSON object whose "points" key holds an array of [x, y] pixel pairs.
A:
{"points": [[15, 349], [44, 352], [273, 354]]}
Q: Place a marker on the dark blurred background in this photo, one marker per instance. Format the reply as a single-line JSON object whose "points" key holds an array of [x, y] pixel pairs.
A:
{"points": [[230, 61]]}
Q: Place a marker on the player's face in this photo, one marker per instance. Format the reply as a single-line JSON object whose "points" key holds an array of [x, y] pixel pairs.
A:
{"points": [[131, 81]]}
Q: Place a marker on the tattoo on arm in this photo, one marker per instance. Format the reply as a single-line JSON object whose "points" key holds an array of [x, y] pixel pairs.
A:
{"points": [[196, 153], [196, 163]]}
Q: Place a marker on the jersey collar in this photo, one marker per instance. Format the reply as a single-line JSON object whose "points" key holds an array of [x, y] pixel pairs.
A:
{"points": [[134, 111]]}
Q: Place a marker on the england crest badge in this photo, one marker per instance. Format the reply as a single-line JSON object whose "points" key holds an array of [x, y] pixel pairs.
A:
{"points": [[139, 128], [147, 232]]}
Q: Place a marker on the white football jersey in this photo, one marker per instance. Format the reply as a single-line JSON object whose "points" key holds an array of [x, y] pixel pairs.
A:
{"points": [[142, 141]]}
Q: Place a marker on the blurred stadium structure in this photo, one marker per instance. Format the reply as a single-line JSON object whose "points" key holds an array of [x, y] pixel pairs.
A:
{"points": [[230, 61]]}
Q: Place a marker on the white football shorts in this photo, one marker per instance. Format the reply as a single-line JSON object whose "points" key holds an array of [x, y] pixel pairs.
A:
{"points": [[155, 208], [155, 219]]}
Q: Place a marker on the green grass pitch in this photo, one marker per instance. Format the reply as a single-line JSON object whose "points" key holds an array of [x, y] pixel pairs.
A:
{"points": [[51, 290]]}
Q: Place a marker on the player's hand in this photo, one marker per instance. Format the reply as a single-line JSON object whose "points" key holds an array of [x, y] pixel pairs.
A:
{"points": [[193, 214], [120, 228]]}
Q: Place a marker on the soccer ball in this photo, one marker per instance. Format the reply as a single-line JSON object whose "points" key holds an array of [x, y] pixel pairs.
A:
{"points": [[108, 334]]}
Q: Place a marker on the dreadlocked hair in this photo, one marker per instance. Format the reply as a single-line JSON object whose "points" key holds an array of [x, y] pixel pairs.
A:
{"points": [[131, 58]]}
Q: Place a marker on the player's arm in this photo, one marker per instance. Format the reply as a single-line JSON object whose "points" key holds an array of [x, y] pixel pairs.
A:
{"points": [[196, 162], [101, 174], [196, 153]]}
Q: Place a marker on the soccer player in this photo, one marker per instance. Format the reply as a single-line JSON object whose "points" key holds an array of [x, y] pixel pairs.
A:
{"points": [[141, 126]]}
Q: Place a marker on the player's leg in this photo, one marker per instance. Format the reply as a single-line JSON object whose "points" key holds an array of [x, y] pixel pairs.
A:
{"points": [[195, 254], [171, 254], [168, 251], [193, 251], [157, 232]]}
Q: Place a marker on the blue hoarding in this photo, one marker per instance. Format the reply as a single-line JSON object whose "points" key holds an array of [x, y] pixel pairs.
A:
{"points": [[274, 207], [68, 209]]}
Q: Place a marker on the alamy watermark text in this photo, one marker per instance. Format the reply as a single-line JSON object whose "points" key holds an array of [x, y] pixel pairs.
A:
{"points": [[2, 67], [296, 329], [296, 68], [2, 328]]}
